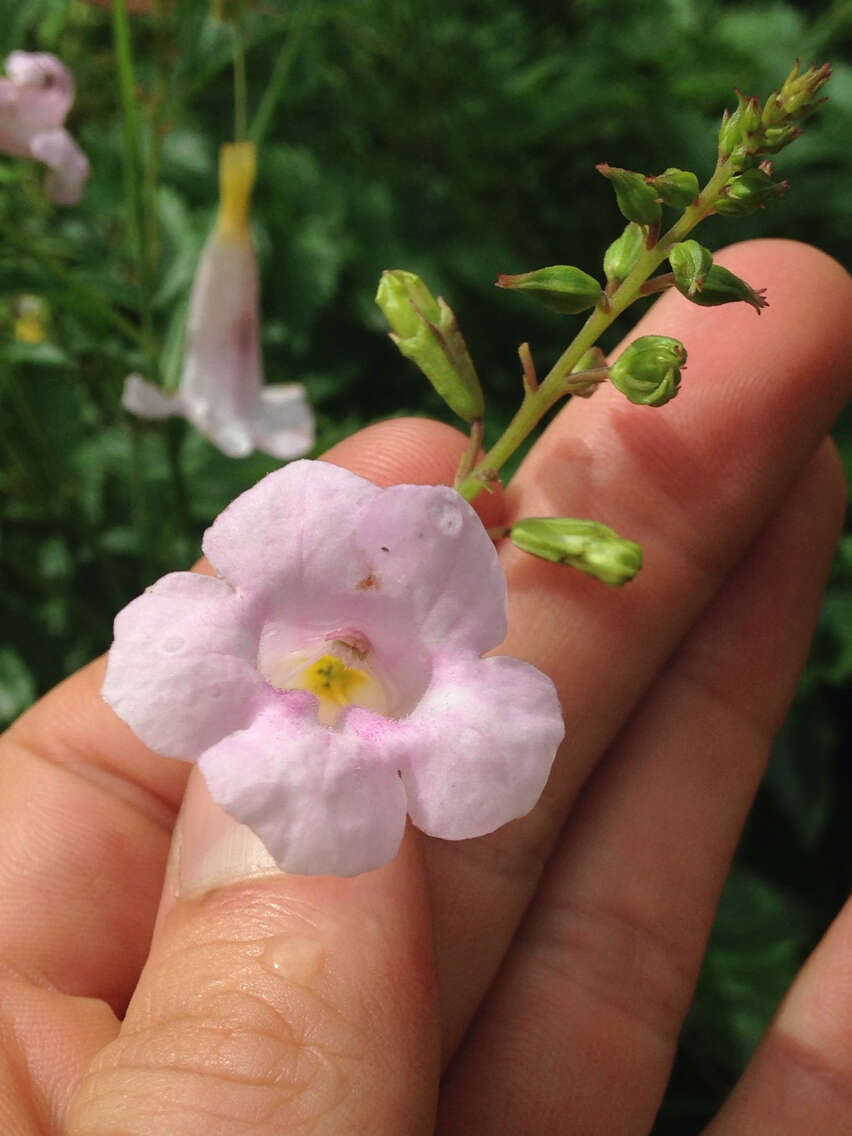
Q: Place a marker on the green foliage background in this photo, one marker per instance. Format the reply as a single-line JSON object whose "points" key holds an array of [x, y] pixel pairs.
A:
{"points": [[457, 140]]}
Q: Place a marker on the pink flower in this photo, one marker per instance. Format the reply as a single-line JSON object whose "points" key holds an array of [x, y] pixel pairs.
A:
{"points": [[221, 388], [34, 101], [330, 678]]}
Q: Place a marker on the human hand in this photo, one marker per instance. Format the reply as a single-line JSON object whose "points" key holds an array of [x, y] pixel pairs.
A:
{"points": [[546, 968]]}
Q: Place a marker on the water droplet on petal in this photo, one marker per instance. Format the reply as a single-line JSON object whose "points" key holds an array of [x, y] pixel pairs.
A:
{"points": [[172, 645]]}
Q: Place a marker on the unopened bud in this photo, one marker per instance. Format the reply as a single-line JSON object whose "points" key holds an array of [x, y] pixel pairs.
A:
{"points": [[588, 545], [748, 192], [561, 287], [425, 330], [690, 263], [738, 135], [775, 138], [636, 199], [648, 371], [796, 98], [678, 188], [623, 253]]}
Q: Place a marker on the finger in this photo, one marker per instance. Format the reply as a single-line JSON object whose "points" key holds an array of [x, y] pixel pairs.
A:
{"points": [[272, 1002], [86, 813], [800, 1077], [693, 481], [584, 1020], [86, 807]]}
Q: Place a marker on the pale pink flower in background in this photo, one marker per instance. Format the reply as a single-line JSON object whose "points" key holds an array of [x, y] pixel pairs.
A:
{"points": [[330, 678], [221, 389], [35, 97]]}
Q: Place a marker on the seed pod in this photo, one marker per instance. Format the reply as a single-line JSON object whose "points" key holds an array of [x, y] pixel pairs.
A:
{"points": [[560, 287], [636, 199], [623, 253], [690, 263], [678, 188], [648, 371], [748, 192]]}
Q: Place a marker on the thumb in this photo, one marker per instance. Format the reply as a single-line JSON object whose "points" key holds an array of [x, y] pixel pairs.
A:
{"points": [[273, 1003]]}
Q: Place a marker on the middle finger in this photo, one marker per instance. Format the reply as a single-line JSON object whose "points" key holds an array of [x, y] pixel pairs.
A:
{"points": [[694, 482]]}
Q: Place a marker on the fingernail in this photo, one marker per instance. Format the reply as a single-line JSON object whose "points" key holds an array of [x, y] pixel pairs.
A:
{"points": [[209, 848]]}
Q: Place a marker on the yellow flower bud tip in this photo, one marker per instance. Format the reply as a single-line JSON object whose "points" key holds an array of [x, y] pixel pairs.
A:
{"points": [[237, 172]]}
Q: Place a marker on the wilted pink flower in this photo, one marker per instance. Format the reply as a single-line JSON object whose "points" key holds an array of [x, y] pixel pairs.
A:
{"points": [[330, 678], [35, 98], [221, 388]]}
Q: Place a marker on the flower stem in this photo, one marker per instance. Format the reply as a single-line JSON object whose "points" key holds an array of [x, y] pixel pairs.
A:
{"points": [[558, 382], [131, 153], [240, 89], [281, 72]]}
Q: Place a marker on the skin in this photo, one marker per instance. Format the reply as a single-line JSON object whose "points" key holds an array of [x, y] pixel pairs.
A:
{"points": [[547, 968]]}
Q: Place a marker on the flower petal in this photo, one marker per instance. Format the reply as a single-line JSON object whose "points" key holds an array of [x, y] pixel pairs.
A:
{"points": [[479, 747], [45, 89], [291, 532], [181, 671], [434, 563], [317, 798], [147, 400], [283, 423], [67, 164]]}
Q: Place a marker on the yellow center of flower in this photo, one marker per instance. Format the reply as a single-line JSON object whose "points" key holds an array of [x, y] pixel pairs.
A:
{"points": [[332, 681], [237, 169]]}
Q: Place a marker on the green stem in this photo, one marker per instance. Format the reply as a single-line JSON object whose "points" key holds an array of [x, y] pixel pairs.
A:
{"points": [[557, 384], [280, 73], [73, 285], [131, 153], [240, 86]]}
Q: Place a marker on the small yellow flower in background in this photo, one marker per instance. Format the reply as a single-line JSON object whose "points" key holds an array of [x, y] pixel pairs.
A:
{"points": [[31, 317]]}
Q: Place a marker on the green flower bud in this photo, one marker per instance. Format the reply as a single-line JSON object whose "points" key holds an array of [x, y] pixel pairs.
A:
{"points": [[748, 192], [737, 130], [775, 138], [720, 286], [648, 371], [425, 331], [678, 188], [636, 199], [690, 263], [623, 253], [560, 287], [588, 545], [795, 99]]}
